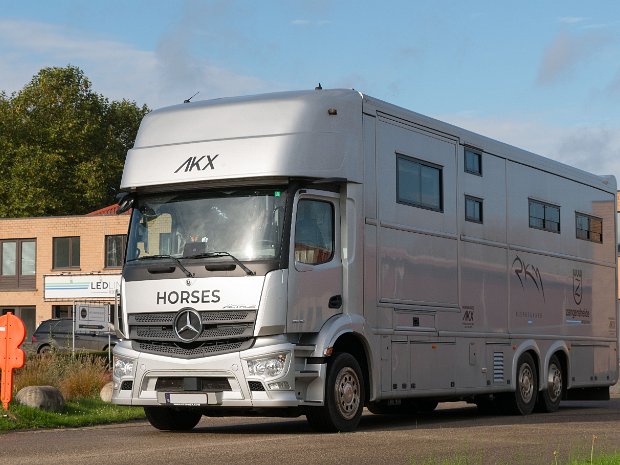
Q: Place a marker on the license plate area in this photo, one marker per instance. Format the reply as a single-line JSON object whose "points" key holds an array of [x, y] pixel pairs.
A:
{"points": [[189, 399]]}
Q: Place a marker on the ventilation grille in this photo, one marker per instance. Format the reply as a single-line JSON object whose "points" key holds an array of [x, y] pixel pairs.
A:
{"points": [[498, 367], [126, 385], [256, 386], [192, 350], [220, 332]]}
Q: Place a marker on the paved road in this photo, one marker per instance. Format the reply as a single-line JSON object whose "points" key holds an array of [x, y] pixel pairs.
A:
{"points": [[454, 430]]}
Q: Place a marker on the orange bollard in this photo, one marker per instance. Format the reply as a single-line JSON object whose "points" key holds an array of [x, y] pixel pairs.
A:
{"points": [[12, 334]]}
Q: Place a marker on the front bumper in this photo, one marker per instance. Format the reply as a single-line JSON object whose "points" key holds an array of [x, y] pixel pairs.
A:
{"points": [[146, 385]]}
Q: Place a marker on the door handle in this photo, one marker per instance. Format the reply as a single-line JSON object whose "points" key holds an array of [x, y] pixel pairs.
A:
{"points": [[335, 301]]}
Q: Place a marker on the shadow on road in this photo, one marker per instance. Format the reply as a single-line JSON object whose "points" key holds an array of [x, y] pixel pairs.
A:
{"points": [[448, 415]]}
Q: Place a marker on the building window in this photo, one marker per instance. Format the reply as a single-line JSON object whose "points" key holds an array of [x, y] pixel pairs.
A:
{"points": [[419, 183], [66, 252], [618, 231], [26, 314], [589, 228], [115, 250], [544, 216], [473, 162], [17, 264], [473, 209]]}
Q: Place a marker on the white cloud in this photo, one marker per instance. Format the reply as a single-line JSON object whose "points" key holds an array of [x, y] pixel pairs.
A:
{"points": [[307, 22], [572, 19], [593, 149], [116, 69], [565, 53]]}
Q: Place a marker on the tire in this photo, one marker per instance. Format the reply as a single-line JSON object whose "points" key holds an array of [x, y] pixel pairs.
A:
{"points": [[550, 397], [44, 349], [523, 400], [344, 396], [172, 419]]}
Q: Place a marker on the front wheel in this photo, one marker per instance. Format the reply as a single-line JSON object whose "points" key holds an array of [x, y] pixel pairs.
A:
{"points": [[172, 419], [344, 396]]}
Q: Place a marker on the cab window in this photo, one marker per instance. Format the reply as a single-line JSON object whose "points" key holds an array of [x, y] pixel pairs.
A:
{"points": [[314, 232]]}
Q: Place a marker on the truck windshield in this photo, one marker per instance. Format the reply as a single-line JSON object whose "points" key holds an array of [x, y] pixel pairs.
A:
{"points": [[245, 223]]}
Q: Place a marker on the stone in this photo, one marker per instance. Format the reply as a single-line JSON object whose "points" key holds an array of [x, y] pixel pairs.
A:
{"points": [[106, 392], [41, 397]]}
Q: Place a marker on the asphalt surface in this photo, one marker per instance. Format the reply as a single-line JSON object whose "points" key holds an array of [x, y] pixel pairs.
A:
{"points": [[455, 431]]}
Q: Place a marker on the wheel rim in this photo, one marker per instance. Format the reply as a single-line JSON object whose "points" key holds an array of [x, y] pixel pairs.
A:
{"points": [[526, 383], [554, 382], [347, 393]]}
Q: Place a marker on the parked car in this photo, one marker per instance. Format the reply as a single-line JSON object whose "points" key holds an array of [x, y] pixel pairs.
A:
{"points": [[57, 334]]}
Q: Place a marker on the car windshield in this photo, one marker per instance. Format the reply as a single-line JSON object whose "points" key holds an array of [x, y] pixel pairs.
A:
{"points": [[245, 223]]}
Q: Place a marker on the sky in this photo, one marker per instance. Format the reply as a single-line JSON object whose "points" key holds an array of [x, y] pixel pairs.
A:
{"points": [[543, 75]]}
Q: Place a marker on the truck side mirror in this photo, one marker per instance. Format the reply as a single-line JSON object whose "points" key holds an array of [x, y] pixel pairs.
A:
{"points": [[125, 201]]}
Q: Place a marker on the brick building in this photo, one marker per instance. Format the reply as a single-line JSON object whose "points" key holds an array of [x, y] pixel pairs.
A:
{"points": [[36, 250]]}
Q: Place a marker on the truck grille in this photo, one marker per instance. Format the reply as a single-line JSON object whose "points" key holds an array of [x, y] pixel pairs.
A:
{"points": [[221, 332]]}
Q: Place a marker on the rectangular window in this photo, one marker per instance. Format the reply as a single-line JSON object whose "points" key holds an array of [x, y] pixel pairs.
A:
{"points": [[314, 232], [473, 162], [473, 209], [419, 183], [9, 258], [589, 228], [115, 250], [17, 264], [66, 253], [544, 216]]}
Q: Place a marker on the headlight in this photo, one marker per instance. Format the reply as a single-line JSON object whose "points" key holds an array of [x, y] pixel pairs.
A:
{"points": [[122, 367], [271, 366]]}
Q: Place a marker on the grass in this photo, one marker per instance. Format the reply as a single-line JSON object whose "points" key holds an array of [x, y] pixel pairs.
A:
{"points": [[592, 459], [603, 459], [80, 379], [77, 413], [599, 459]]}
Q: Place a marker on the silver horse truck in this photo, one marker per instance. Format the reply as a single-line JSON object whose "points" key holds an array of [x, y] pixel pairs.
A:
{"points": [[314, 253]]}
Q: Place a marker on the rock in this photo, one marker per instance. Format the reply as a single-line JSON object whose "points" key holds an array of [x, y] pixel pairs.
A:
{"points": [[42, 397], [106, 392]]}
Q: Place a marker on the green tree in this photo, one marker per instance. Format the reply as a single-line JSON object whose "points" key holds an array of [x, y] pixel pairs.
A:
{"points": [[62, 145]]}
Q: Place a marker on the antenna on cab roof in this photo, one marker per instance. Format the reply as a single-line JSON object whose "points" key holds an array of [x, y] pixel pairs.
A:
{"points": [[187, 100]]}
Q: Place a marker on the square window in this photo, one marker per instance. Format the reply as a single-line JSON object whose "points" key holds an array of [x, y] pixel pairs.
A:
{"points": [[418, 183], [589, 228], [66, 252], [473, 209], [473, 162], [544, 216], [17, 264]]}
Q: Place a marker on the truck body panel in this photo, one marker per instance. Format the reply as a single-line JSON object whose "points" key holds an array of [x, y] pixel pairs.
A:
{"points": [[446, 264]]}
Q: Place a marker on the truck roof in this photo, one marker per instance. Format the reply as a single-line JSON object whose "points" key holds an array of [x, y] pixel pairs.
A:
{"points": [[316, 133]]}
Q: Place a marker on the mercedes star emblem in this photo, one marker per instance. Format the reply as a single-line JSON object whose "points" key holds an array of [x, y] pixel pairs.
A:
{"points": [[187, 325]]}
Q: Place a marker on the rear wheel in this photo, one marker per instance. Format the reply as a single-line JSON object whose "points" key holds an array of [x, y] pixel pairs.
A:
{"points": [[344, 396], [172, 419], [549, 399]]}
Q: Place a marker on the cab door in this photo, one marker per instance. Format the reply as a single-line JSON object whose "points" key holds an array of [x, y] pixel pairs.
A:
{"points": [[315, 271]]}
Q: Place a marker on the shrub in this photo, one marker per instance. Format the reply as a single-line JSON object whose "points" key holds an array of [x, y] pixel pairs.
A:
{"points": [[76, 376]]}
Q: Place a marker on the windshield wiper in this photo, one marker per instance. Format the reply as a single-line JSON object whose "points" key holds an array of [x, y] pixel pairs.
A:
{"points": [[224, 254], [188, 273]]}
